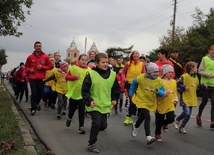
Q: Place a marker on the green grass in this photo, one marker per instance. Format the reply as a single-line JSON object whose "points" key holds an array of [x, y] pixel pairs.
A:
{"points": [[11, 140]]}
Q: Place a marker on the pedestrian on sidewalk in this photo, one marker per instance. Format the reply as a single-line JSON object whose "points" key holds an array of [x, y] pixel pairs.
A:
{"points": [[61, 88], [100, 92], [187, 85], [36, 65], [75, 77], [166, 105], [207, 77], [21, 82], [144, 91]]}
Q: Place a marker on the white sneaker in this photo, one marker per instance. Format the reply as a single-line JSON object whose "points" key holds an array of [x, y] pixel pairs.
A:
{"points": [[134, 130], [150, 140], [182, 130], [176, 125]]}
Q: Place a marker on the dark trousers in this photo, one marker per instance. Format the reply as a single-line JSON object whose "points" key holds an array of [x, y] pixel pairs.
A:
{"points": [[26, 92], [163, 119], [21, 86], [73, 105], [120, 101], [62, 103], [144, 115], [37, 87], [205, 96], [132, 107], [99, 123]]}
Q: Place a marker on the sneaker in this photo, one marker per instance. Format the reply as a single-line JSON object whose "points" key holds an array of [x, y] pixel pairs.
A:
{"points": [[182, 130], [130, 120], [58, 116], [212, 125], [150, 140], [198, 120], [33, 112], [63, 113], [81, 130], [134, 130], [165, 128], [68, 122], [126, 122], [92, 148], [176, 125], [38, 107], [158, 137]]}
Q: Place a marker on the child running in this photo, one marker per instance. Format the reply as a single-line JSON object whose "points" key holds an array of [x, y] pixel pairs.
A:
{"points": [[61, 88], [100, 90], [75, 77], [144, 91], [122, 90], [187, 86], [166, 104]]}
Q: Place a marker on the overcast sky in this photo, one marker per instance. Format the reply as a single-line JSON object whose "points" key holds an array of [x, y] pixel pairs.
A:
{"points": [[110, 23]]}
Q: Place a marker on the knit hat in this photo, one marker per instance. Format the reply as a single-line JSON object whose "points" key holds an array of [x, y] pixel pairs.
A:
{"points": [[63, 64], [151, 67], [166, 69]]}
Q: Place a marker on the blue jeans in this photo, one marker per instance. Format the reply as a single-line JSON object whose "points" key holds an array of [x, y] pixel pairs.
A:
{"points": [[185, 115]]}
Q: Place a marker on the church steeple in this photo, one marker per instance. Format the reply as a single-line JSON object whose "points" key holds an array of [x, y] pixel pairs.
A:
{"points": [[93, 48]]}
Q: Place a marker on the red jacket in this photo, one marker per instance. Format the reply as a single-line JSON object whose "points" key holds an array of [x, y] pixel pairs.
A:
{"points": [[33, 60], [21, 75], [121, 82]]}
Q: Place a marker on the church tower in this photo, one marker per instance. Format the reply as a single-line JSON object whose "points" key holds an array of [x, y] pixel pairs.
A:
{"points": [[72, 52]]}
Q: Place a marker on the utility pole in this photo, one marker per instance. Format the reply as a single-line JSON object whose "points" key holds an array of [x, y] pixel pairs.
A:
{"points": [[85, 44], [173, 23]]}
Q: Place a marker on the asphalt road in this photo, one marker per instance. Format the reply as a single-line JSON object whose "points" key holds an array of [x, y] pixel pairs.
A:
{"points": [[117, 139]]}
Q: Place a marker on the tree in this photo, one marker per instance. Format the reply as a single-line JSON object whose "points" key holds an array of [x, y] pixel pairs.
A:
{"points": [[119, 52], [192, 43], [3, 58], [12, 15]]}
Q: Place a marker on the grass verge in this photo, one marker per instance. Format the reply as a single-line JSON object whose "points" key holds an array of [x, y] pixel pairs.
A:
{"points": [[11, 140]]}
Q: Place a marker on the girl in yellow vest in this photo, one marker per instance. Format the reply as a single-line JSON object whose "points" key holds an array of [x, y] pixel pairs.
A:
{"points": [[131, 70], [166, 104], [100, 91], [187, 86], [144, 91], [75, 77], [61, 88], [48, 91]]}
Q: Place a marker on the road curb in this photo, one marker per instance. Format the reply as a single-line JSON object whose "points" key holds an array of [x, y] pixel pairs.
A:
{"points": [[28, 140]]}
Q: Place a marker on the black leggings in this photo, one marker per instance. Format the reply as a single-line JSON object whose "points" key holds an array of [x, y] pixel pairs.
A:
{"points": [[73, 105], [160, 121], [144, 115]]}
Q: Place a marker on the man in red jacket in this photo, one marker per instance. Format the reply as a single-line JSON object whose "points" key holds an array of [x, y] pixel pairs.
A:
{"points": [[36, 65]]}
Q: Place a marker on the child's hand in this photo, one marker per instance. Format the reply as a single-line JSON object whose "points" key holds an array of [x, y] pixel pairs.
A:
{"points": [[187, 88], [113, 103], [92, 104], [166, 93], [175, 102], [205, 85], [77, 77]]}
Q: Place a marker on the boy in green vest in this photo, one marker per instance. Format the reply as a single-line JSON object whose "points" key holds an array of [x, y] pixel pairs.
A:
{"points": [[100, 91]]}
